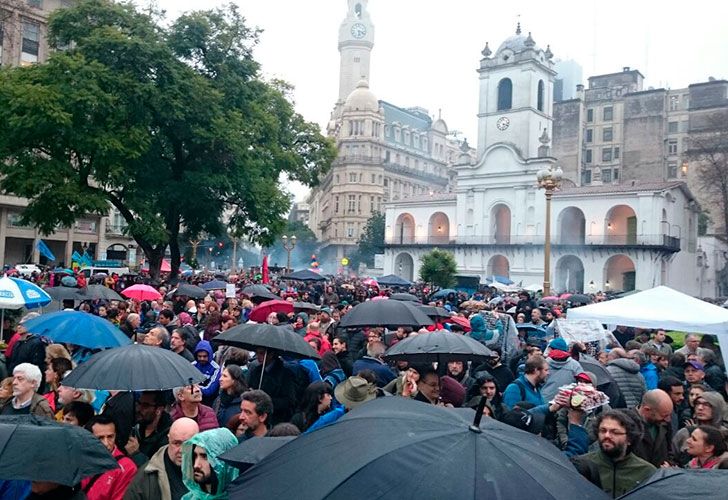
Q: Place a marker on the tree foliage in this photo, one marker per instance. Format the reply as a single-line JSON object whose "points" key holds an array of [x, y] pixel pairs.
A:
{"points": [[439, 268], [173, 126], [371, 241]]}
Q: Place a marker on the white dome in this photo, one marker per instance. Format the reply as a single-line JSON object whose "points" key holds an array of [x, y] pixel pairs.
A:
{"points": [[362, 99], [518, 43]]}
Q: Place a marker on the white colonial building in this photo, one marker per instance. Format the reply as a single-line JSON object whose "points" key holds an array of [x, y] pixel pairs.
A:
{"points": [[604, 237]]}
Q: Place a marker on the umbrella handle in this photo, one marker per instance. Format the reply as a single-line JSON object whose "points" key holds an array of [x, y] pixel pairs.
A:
{"points": [[478, 415], [262, 370]]}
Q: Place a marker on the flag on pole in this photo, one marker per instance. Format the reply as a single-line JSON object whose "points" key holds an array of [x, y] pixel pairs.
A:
{"points": [[44, 250], [266, 278]]}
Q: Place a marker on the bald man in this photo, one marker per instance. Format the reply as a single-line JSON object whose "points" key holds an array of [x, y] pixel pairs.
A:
{"points": [[161, 477], [655, 412]]}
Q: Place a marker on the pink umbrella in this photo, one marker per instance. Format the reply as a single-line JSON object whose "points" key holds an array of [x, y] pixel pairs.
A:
{"points": [[261, 312], [564, 296], [141, 292], [165, 268], [380, 297], [371, 282]]}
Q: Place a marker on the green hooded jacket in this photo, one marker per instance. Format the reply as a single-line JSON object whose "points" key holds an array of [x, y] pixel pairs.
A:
{"points": [[215, 442]]}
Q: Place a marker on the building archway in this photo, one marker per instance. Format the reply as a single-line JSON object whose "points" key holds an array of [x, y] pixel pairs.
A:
{"points": [[620, 226], [439, 229], [500, 216], [404, 266], [569, 275], [404, 229], [498, 265], [572, 226], [619, 274], [117, 251]]}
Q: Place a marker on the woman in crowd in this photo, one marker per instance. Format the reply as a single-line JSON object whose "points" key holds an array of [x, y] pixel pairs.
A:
{"points": [[56, 370], [316, 401], [707, 446], [232, 386]]}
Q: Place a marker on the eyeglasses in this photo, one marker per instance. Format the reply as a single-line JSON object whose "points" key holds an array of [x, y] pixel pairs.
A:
{"points": [[701, 403], [613, 432]]}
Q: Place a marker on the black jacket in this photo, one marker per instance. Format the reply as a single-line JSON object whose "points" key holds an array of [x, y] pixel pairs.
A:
{"points": [[31, 350], [279, 384], [346, 362], [655, 450]]}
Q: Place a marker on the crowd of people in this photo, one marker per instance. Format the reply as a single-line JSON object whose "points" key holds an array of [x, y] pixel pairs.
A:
{"points": [[666, 408]]}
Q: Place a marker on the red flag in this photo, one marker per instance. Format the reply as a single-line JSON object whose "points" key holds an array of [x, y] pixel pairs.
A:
{"points": [[266, 278]]}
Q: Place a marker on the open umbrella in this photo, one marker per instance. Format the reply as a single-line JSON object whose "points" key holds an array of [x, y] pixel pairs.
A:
{"points": [[306, 307], [668, 484], [441, 294], [261, 312], [16, 293], [397, 448], [251, 336], [405, 297], [188, 290], [26, 439], [69, 281], [370, 282], [61, 293], [60, 270], [141, 292], [434, 312], [253, 450], [76, 327], [440, 346], [580, 298], [93, 292], [214, 285], [458, 320], [304, 275], [134, 367], [259, 292], [389, 313], [392, 280]]}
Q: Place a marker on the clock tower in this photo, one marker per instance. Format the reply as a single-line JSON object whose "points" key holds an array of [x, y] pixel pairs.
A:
{"points": [[356, 39]]}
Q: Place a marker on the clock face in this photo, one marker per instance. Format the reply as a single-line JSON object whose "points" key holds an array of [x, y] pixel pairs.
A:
{"points": [[502, 123], [358, 30]]}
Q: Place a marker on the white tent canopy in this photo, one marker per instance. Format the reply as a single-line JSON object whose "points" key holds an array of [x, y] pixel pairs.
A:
{"points": [[661, 307]]}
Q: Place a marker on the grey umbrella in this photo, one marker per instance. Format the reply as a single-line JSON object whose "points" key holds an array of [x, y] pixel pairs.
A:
{"points": [[440, 346], [277, 338], [93, 292], [389, 313], [259, 291], [405, 297]]}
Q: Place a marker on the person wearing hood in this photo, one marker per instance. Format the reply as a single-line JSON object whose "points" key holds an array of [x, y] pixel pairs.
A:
{"points": [[709, 410], [299, 326], [331, 370], [626, 374], [203, 473], [208, 367], [563, 369], [481, 333]]}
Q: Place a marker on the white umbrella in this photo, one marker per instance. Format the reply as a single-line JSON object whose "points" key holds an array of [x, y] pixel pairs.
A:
{"points": [[16, 293]]}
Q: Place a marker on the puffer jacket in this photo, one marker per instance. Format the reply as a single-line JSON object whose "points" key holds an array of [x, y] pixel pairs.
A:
{"points": [[629, 380], [561, 373]]}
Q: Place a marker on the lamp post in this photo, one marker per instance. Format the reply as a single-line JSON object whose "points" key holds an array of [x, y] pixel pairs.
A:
{"points": [[234, 261], [288, 246], [548, 180]]}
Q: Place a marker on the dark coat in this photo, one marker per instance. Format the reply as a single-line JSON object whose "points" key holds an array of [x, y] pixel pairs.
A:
{"points": [[279, 384], [384, 374], [655, 451], [121, 409], [347, 364], [30, 350]]}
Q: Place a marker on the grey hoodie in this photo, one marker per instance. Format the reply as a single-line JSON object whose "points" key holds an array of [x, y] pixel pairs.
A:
{"points": [[629, 380], [561, 373], [715, 400]]}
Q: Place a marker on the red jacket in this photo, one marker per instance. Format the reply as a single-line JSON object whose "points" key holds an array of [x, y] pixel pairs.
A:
{"points": [[325, 345], [111, 485], [206, 418]]}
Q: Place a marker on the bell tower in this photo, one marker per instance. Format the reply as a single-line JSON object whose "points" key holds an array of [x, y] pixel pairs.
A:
{"points": [[356, 39]]}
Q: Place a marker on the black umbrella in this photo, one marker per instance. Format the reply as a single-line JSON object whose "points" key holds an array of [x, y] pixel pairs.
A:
{"points": [[93, 292], [64, 293], [188, 290], [434, 312], [389, 313], [405, 297], [580, 299], [214, 285], [304, 275], [259, 291], [39, 449], [395, 448], [253, 450], [278, 338], [393, 280], [440, 346], [668, 484], [305, 306], [134, 367]]}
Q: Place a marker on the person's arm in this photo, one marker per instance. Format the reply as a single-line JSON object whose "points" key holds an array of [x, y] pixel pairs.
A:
{"points": [[212, 387], [511, 395], [578, 439]]}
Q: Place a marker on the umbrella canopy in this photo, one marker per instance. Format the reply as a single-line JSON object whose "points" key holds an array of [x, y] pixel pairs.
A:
{"points": [[166, 267], [253, 450], [76, 327], [69, 281], [434, 312], [305, 306], [93, 292], [668, 484], [278, 338], [393, 280], [61, 270], [16, 293], [214, 285], [24, 440], [499, 279], [259, 291], [65, 293], [188, 290], [439, 346], [370, 282], [441, 294], [304, 275], [533, 288], [390, 313], [408, 449], [580, 298], [261, 312], [405, 297], [134, 367], [464, 322], [473, 305], [141, 292]]}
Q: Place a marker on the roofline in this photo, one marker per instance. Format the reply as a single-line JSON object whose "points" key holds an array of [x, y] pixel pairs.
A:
{"points": [[707, 83], [617, 73], [648, 91]]}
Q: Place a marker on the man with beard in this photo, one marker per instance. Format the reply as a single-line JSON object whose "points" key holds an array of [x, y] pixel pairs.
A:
{"points": [[495, 367], [616, 468], [203, 473], [152, 426]]}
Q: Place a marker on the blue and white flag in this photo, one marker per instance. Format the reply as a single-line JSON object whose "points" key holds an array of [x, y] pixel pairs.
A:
{"points": [[44, 250]]}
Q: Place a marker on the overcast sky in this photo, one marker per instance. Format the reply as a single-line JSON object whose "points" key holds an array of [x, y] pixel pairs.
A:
{"points": [[426, 51]]}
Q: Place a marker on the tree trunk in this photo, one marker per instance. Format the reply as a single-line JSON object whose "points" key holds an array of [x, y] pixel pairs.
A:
{"points": [[174, 257], [155, 257]]}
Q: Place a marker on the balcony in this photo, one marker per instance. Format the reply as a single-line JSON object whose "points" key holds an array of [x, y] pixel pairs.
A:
{"points": [[116, 229], [613, 241]]}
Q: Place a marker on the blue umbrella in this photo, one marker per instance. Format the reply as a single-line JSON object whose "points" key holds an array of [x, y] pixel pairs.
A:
{"points": [[80, 328], [443, 293], [69, 281], [500, 279], [214, 285]]}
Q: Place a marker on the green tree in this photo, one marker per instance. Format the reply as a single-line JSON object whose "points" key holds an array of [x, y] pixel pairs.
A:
{"points": [[439, 268], [371, 241], [173, 126]]}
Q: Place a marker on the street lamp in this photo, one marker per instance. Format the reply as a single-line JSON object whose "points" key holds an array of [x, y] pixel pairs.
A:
{"points": [[288, 246], [234, 236], [548, 180]]}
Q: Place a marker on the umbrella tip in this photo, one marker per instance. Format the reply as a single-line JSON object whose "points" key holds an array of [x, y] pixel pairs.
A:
{"points": [[475, 428]]}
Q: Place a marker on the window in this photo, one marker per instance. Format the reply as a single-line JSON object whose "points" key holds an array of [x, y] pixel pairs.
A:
{"points": [[616, 153], [589, 115], [351, 203], [358, 204], [397, 134], [374, 178], [671, 169], [38, 4], [539, 97], [607, 134], [606, 154], [386, 156], [672, 147], [406, 138], [588, 156], [505, 94], [386, 130], [607, 175], [586, 176], [352, 177], [608, 114], [372, 207], [336, 204], [615, 174], [674, 102], [349, 229], [386, 182], [589, 135], [672, 128], [415, 140], [31, 38]]}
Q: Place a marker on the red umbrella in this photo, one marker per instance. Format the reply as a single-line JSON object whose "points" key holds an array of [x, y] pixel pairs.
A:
{"points": [[464, 322], [141, 292], [371, 282], [564, 296], [260, 313]]}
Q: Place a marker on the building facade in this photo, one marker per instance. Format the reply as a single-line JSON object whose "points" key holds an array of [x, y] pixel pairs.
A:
{"points": [[385, 152], [23, 41], [604, 236]]}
